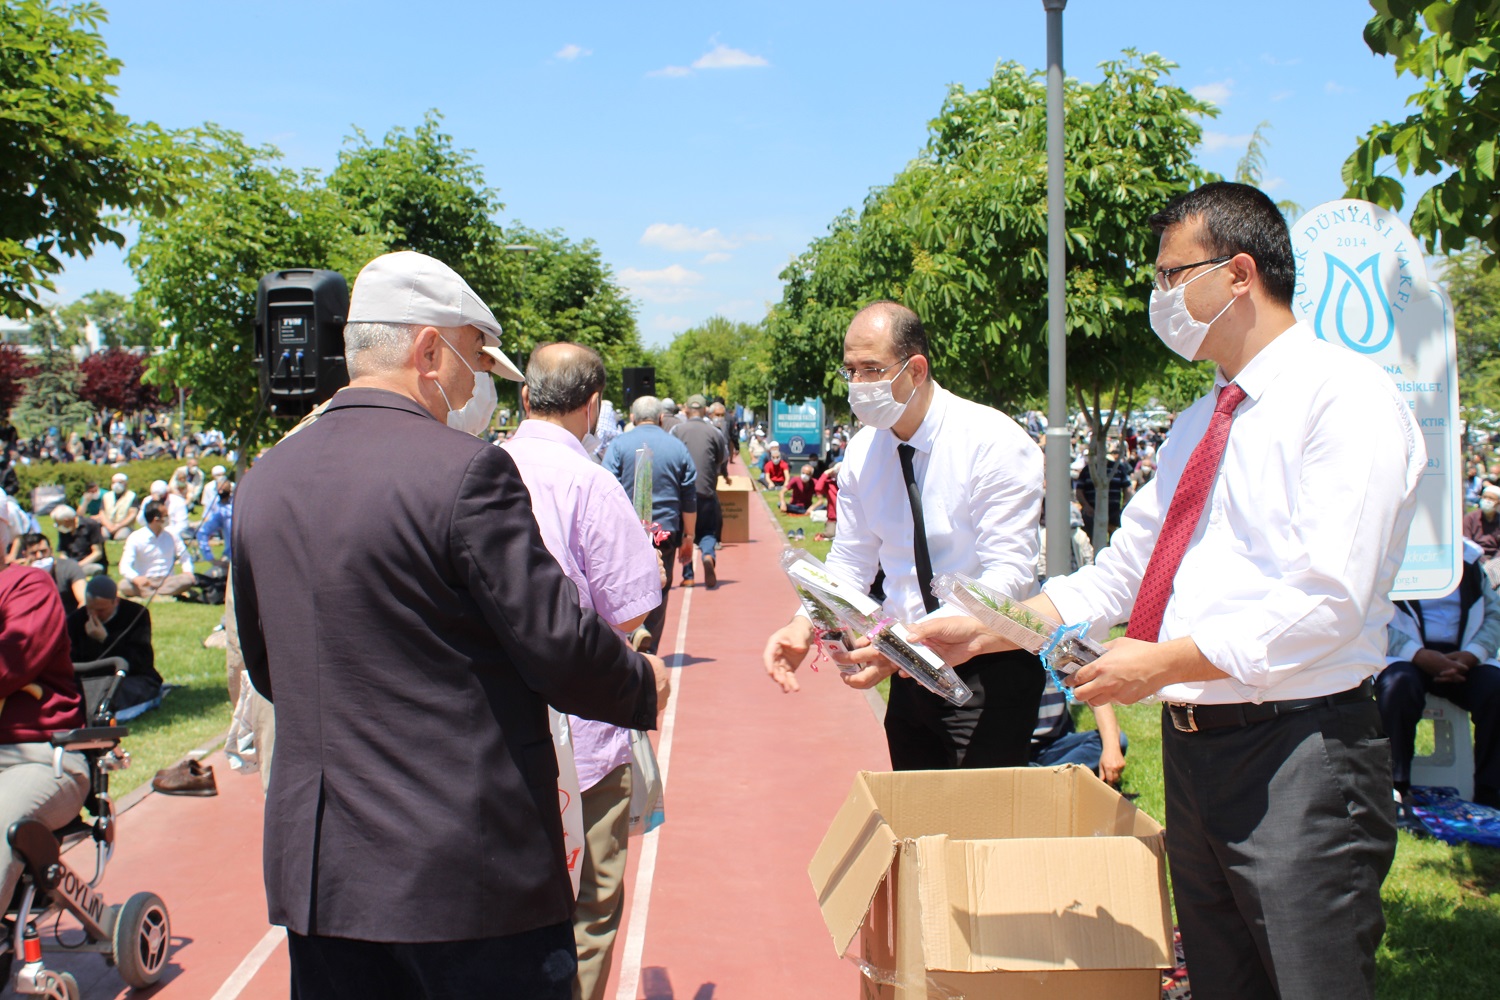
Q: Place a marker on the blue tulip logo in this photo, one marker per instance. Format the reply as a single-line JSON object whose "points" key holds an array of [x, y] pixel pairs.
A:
{"points": [[1357, 320]]}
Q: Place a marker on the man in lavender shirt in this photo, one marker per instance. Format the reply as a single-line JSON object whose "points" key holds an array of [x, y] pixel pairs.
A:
{"points": [[591, 528]]}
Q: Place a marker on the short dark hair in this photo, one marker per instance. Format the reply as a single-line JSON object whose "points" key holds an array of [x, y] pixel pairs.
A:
{"points": [[31, 538], [561, 376], [908, 336], [1238, 218], [153, 510]]}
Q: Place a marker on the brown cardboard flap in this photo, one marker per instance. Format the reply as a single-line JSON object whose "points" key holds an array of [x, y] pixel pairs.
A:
{"points": [[1024, 904], [972, 805], [850, 863]]}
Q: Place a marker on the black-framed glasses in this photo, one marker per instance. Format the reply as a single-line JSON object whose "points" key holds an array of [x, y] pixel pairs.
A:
{"points": [[867, 374], [1164, 275]]}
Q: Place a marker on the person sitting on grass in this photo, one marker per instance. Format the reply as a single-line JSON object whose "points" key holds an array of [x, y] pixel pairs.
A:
{"points": [[150, 554], [826, 497], [797, 494], [1057, 740], [108, 626], [80, 538], [774, 471], [36, 550], [119, 508]]}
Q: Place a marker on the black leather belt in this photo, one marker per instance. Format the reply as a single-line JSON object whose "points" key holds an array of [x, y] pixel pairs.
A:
{"points": [[1194, 718]]}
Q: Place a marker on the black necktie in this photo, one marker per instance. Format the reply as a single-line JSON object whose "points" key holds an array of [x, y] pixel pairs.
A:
{"points": [[918, 528]]}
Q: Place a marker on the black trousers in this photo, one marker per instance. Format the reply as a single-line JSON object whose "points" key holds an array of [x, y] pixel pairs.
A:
{"points": [[656, 618], [537, 965], [1401, 689], [1279, 835], [928, 733]]}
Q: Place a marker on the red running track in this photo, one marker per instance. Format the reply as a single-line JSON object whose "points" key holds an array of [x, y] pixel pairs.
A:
{"points": [[722, 908]]}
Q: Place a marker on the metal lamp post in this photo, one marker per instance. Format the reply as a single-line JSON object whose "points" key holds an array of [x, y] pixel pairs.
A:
{"points": [[1058, 437]]}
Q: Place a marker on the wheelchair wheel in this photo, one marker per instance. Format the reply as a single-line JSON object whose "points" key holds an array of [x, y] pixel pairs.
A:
{"points": [[65, 987], [142, 939]]}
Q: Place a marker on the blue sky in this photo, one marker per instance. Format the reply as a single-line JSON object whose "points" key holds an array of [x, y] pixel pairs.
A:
{"points": [[704, 145]]}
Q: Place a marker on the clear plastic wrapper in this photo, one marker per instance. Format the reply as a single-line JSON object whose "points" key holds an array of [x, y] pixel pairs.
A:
{"points": [[834, 603], [1062, 648]]}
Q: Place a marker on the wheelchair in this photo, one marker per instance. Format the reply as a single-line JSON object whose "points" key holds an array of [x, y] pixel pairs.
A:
{"points": [[136, 936]]}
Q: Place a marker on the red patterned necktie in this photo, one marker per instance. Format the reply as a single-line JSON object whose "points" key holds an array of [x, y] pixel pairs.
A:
{"points": [[1183, 515]]}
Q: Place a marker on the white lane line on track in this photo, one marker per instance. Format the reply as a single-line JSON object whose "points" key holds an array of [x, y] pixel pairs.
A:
{"points": [[640, 902], [241, 976]]}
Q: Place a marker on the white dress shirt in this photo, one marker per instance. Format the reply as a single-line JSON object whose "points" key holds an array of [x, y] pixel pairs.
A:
{"points": [[177, 513], [981, 480], [153, 555], [1285, 585]]}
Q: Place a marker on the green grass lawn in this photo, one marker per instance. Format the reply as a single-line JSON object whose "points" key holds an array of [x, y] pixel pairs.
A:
{"points": [[1442, 902]]}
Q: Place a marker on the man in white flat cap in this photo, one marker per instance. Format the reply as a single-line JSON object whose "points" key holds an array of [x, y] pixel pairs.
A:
{"points": [[413, 842]]}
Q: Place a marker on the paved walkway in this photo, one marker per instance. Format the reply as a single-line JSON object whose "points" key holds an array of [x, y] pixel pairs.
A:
{"points": [[719, 905]]}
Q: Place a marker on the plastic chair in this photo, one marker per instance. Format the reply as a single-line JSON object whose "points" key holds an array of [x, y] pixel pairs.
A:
{"points": [[1451, 762]]}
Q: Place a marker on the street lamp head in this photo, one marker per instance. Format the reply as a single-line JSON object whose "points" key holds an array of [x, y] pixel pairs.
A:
{"points": [[1051, 5]]}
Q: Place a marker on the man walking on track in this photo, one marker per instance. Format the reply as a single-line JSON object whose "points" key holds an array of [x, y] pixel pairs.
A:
{"points": [[1254, 570], [413, 842], [931, 484]]}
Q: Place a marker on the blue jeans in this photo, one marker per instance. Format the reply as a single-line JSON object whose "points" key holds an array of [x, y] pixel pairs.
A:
{"points": [[1073, 748]]}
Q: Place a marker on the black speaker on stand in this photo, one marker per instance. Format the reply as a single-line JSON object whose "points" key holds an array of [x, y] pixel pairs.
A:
{"points": [[637, 382], [299, 338]]}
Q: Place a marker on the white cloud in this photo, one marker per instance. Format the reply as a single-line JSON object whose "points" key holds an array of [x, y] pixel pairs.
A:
{"points": [[1282, 95], [570, 52], [1271, 185], [723, 57], [719, 57], [1214, 93], [1335, 88], [668, 284], [677, 237], [716, 258], [1213, 142]]}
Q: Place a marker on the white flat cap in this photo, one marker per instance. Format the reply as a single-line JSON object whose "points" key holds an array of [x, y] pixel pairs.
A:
{"points": [[411, 287]]}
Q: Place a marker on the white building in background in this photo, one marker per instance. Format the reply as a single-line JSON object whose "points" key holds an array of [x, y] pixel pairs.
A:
{"points": [[18, 331]]}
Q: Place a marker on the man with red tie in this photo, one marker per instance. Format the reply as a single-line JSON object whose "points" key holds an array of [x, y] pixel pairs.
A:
{"points": [[1254, 570]]}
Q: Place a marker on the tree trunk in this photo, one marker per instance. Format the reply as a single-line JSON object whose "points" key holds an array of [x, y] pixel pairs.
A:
{"points": [[1099, 454]]}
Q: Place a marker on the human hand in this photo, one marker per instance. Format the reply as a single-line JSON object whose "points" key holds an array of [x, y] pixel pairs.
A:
{"points": [[862, 665], [1129, 671], [94, 628], [1111, 764], [785, 651], [661, 568], [1439, 666], [143, 583], [685, 552], [663, 680], [957, 638]]}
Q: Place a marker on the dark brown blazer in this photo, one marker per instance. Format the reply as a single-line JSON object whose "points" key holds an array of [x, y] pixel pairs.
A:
{"points": [[396, 602]]}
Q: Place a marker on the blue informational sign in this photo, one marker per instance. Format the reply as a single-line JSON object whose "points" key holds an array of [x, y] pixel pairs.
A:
{"points": [[1362, 284], [798, 427]]}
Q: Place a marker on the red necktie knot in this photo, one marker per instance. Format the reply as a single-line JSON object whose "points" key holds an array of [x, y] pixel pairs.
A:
{"points": [[1230, 397]]}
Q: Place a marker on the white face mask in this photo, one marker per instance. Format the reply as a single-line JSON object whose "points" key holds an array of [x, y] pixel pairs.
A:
{"points": [[874, 403], [591, 440], [474, 416], [1171, 321], [43, 564], [1488, 506]]}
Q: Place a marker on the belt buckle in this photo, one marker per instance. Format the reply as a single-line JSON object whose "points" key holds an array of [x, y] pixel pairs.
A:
{"points": [[1180, 712]]}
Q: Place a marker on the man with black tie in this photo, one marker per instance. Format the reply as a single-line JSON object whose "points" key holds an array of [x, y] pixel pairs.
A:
{"points": [[1254, 569], [931, 484], [413, 843]]}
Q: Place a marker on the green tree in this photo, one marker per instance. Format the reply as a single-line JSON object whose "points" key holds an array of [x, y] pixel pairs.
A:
{"points": [[51, 391], [121, 321], [1452, 48], [67, 156], [960, 236], [1252, 167], [1473, 284], [198, 268], [565, 291], [416, 190], [719, 357]]}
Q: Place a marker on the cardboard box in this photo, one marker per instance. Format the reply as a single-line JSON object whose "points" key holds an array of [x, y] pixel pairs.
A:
{"points": [[1019, 883], [735, 498]]}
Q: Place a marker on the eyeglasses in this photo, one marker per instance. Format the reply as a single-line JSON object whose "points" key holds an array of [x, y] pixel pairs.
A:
{"points": [[1164, 275], [867, 374]]}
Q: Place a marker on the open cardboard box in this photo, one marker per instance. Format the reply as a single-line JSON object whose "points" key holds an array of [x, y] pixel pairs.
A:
{"points": [[1018, 883], [735, 495]]}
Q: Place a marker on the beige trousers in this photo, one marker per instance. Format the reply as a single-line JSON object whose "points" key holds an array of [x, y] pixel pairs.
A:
{"points": [[601, 891]]}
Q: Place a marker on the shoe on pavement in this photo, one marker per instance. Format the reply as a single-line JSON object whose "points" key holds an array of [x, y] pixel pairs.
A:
{"points": [[186, 777], [710, 578], [640, 638]]}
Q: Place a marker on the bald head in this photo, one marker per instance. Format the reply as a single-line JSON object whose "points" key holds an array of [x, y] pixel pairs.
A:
{"points": [[562, 377], [894, 326]]}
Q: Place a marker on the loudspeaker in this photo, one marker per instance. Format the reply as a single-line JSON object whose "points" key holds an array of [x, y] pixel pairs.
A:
{"points": [[638, 382], [299, 338]]}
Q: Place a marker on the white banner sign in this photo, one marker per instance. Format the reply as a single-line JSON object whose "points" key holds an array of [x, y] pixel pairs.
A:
{"points": [[1362, 283]]}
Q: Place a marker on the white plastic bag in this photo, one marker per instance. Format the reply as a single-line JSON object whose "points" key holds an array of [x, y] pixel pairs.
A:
{"points": [[647, 808], [568, 796], [239, 746]]}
